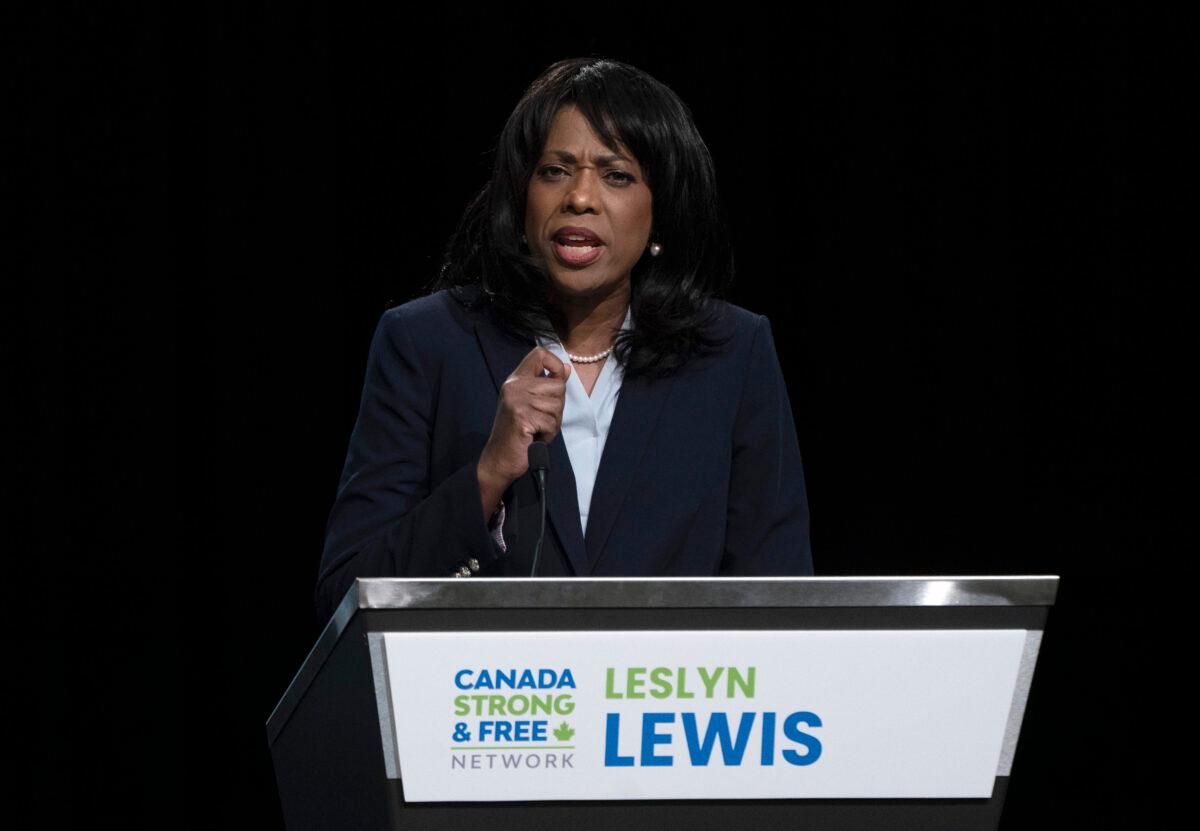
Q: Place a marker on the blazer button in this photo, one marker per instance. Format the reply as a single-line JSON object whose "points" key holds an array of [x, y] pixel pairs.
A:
{"points": [[473, 563]]}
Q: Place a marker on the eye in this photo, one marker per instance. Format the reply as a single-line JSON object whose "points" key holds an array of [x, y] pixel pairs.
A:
{"points": [[554, 171]]}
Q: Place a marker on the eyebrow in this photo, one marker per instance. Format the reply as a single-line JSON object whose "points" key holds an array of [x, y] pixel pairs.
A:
{"points": [[569, 157]]}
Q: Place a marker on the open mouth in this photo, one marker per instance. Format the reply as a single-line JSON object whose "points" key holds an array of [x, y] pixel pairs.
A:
{"points": [[572, 252]]}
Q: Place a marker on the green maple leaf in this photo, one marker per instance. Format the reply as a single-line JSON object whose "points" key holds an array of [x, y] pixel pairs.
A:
{"points": [[564, 732]]}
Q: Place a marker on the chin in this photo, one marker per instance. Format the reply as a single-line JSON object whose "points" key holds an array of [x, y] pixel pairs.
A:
{"points": [[589, 279], [579, 284]]}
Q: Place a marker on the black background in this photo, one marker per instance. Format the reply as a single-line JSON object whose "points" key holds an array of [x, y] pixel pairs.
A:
{"points": [[213, 208]]}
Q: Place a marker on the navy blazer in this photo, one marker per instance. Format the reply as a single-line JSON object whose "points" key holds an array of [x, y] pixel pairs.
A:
{"points": [[700, 474]]}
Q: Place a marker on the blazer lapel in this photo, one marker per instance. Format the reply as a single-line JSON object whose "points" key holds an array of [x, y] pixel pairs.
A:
{"points": [[502, 353], [639, 403], [564, 504]]}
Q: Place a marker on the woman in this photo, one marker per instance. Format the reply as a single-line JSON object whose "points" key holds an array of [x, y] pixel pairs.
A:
{"points": [[576, 306]]}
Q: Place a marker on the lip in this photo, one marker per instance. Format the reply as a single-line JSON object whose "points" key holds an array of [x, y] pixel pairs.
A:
{"points": [[564, 255], [575, 230]]}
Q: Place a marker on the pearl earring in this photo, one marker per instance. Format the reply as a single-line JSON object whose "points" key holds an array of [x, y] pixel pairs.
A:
{"points": [[655, 249]]}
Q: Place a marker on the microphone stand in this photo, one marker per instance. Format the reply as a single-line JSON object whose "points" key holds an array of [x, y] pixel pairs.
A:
{"points": [[539, 463]]}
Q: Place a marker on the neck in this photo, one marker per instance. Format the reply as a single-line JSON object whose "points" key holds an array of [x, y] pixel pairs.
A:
{"points": [[588, 325]]}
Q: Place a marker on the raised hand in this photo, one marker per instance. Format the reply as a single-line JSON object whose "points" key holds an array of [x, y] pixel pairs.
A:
{"points": [[530, 409]]}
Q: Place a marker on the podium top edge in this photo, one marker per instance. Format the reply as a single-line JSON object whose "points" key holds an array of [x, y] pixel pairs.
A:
{"points": [[693, 592], [400, 593]]}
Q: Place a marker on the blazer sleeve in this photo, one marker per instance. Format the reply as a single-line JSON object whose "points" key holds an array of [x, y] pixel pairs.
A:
{"points": [[387, 520], [767, 523]]}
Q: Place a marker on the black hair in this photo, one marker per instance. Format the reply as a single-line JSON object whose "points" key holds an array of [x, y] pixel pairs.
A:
{"points": [[672, 296]]}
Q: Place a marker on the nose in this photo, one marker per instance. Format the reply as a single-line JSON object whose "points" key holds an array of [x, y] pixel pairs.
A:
{"points": [[582, 195]]}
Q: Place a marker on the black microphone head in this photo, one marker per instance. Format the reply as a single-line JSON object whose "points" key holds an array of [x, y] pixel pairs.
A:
{"points": [[539, 456]]}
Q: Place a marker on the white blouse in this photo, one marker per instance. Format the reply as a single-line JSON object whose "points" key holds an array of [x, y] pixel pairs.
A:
{"points": [[586, 419]]}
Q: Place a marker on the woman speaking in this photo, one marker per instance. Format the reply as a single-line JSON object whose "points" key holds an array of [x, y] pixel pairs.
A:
{"points": [[576, 306]]}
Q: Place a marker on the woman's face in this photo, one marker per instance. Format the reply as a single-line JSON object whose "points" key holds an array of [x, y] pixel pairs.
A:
{"points": [[579, 183]]}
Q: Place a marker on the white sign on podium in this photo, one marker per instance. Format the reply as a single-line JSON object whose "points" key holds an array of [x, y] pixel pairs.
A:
{"points": [[588, 715]]}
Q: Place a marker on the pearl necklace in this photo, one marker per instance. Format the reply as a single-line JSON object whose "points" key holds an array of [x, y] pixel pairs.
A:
{"points": [[589, 359]]}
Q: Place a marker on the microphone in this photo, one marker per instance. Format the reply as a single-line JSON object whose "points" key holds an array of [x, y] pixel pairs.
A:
{"points": [[539, 464]]}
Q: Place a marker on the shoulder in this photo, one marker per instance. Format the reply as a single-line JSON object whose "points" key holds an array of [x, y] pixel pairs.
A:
{"points": [[434, 316], [736, 321], [736, 332], [425, 334]]}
